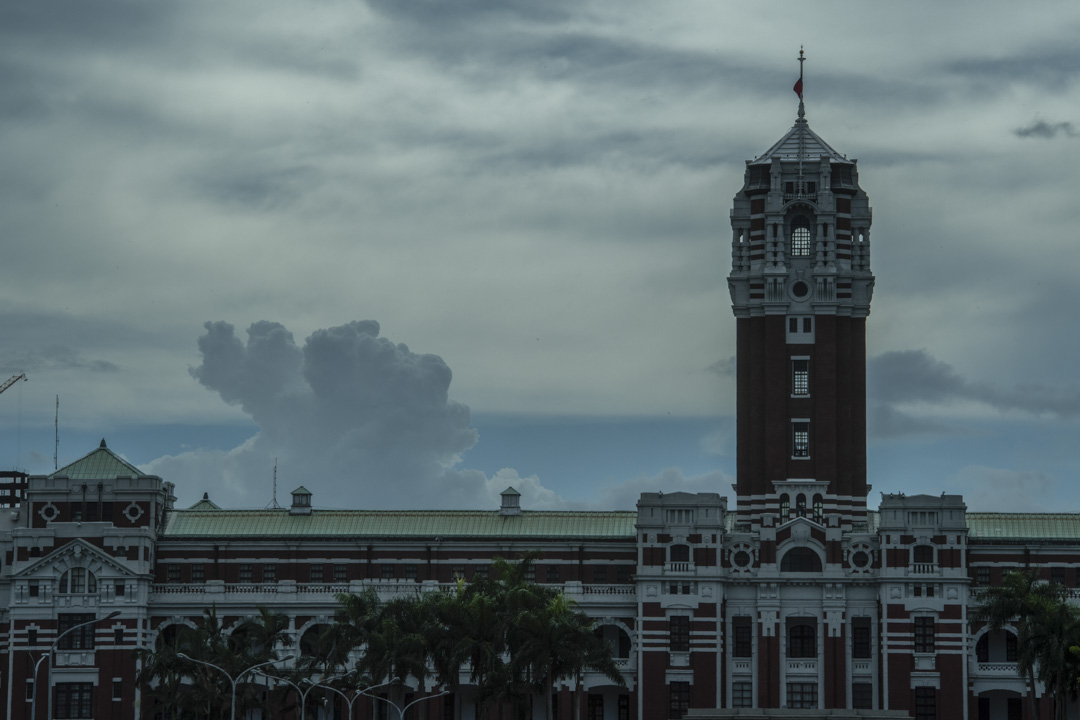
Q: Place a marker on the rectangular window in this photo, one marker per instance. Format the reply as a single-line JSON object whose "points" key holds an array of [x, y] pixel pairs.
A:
{"points": [[119, 589], [862, 696], [118, 636], [341, 573], [1014, 709], [459, 572], [31, 636], [198, 573], [860, 638], [315, 573], [595, 708], [984, 708], [624, 708], [982, 576], [802, 695], [680, 699], [742, 694], [33, 588], [924, 634], [800, 376], [800, 439], [1010, 647], [679, 627], [117, 689], [624, 573], [553, 573], [269, 573], [410, 572], [807, 325], [387, 571], [481, 572], [742, 631], [530, 573], [173, 573], [599, 574], [79, 639], [29, 689], [925, 703], [245, 573], [793, 325], [73, 700], [1057, 575]]}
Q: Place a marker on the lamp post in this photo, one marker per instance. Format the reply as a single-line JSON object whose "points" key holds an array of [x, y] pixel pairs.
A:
{"points": [[401, 711], [349, 701], [234, 681], [52, 649], [302, 693]]}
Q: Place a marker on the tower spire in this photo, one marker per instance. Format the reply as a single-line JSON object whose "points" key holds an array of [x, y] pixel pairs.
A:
{"points": [[799, 85]]}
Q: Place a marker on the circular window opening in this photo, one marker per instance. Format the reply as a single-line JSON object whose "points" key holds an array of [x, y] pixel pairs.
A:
{"points": [[741, 558], [860, 559], [800, 289]]}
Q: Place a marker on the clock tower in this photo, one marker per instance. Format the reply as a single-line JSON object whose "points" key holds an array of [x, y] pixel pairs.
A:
{"points": [[800, 288]]}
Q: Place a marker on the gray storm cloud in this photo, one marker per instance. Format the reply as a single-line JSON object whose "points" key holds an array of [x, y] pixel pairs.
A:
{"points": [[906, 377], [1045, 130]]}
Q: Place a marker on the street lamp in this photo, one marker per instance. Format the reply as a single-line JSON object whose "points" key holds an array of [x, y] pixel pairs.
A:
{"points": [[401, 711], [357, 694], [302, 693], [234, 681], [49, 655]]}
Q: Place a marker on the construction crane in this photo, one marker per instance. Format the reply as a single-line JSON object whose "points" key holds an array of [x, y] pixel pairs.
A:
{"points": [[14, 379]]}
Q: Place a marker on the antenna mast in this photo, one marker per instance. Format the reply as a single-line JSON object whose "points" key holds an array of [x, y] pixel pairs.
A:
{"points": [[274, 503]]}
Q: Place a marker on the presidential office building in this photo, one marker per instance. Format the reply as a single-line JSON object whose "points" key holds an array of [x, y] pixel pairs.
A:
{"points": [[798, 602]]}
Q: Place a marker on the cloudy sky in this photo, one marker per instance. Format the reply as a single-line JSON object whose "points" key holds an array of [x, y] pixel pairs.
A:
{"points": [[418, 251]]}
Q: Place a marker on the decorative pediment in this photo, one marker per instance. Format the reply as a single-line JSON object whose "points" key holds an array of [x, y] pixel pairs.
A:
{"points": [[77, 553]]}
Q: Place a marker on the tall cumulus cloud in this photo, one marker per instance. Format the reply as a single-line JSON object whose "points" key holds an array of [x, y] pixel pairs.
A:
{"points": [[351, 415]]}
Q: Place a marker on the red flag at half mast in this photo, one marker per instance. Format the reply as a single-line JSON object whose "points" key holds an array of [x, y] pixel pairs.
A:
{"points": [[798, 88]]}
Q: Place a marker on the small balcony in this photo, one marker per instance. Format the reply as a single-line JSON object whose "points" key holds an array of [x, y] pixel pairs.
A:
{"points": [[680, 567], [802, 666]]}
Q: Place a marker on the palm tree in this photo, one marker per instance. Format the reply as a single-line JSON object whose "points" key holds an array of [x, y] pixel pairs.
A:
{"points": [[1047, 625], [557, 641]]}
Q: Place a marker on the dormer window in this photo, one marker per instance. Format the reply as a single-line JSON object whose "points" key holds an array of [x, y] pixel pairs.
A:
{"points": [[78, 581]]}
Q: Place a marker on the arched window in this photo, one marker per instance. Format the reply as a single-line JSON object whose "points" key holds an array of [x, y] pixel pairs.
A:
{"points": [[312, 640], [923, 554], [802, 641], [800, 505], [785, 507], [800, 237], [800, 559], [78, 581], [819, 509], [616, 638], [679, 553]]}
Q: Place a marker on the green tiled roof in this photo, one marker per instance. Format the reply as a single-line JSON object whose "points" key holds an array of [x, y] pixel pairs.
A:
{"points": [[399, 523], [1045, 526], [101, 464]]}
